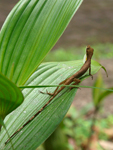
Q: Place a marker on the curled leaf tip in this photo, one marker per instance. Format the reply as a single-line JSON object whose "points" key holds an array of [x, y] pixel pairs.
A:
{"points": [[105, 70]]}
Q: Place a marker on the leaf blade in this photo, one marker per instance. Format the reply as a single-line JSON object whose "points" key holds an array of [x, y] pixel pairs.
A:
{"points": [[10, 96], [31, 30]]}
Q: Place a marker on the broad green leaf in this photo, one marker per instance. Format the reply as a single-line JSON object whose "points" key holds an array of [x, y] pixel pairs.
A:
{"points": [[29, 32], [10, 96], [38, 130]]}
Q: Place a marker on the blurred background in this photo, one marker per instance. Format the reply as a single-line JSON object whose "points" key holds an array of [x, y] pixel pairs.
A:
{"points": [[91, 25]]}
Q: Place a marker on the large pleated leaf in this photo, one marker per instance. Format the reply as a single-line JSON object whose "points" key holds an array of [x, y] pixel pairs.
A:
{"points": [[38, 130], [10, 96], [29, 32]]}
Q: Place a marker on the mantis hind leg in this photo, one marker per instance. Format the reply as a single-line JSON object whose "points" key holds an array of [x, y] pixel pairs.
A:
{"points": [[52, 94], [76, 81]]}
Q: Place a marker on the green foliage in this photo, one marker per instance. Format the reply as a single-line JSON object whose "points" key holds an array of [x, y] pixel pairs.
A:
{"points": [[101, 51], [65, 54], [47, 121], [3, 125], [57, 141], [98, 94], [10, 96], [28, 34], [78, 128]]}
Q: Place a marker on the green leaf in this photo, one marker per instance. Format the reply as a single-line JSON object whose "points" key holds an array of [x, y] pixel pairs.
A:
{"points": [[2, 123], [10, 96], [96, 92], [98, 95], [29, 32], [38, 130], [104, 94]]}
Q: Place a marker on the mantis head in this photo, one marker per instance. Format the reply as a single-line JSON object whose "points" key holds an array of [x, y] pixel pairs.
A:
{"points": [[89, 52]]}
